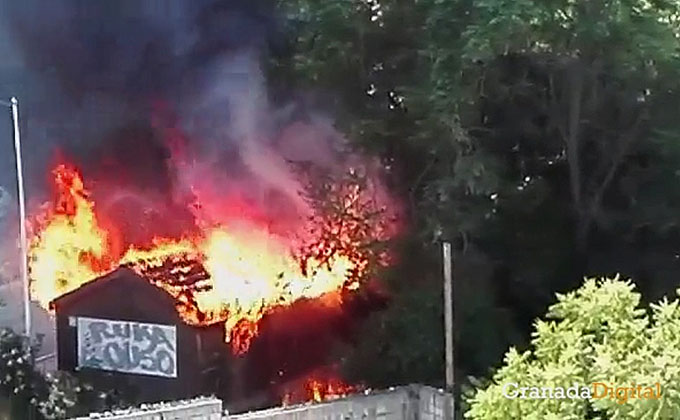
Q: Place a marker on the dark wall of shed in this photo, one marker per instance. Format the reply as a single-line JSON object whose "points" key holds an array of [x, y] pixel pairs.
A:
{"points": [[124, 296]]}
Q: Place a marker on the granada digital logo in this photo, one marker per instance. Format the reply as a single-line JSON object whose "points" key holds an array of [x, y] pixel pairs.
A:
{"points": [[597, 390]]}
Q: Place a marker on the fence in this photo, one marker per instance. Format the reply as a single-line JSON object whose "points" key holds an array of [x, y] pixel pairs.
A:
{"points": [[198, 409], [413, 402]]}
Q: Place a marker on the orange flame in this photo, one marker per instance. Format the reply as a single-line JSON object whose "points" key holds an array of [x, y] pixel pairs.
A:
{"points": [[320, 388], [228, 274], [72, 248]]}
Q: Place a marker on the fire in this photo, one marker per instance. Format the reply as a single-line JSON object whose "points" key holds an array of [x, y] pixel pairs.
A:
{"points": [[249, 273], [228, 273], [71, 249], [319, 388]]}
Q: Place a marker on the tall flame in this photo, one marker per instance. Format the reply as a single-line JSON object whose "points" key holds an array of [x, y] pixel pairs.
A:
{"points": [[71, 248], [229, 274]]}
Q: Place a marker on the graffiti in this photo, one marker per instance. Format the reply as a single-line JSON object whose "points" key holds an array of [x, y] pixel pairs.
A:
{"points": [[130, 347]]}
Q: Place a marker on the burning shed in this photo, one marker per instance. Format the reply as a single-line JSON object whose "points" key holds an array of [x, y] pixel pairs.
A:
{"points": [[168, 312], [122, 327]]}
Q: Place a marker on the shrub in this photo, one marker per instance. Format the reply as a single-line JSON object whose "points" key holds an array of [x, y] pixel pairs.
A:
{"points": [[598, 333]]}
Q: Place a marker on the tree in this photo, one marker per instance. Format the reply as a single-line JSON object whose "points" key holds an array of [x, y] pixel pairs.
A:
{"points": [[575, 103], [369, 63], [540, 135], [49, 396], [364, 61], [598, 333], [349, 220], [595, 77], [405, 337]]}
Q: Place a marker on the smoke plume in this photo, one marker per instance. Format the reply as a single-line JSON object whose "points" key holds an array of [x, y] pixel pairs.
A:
{"points": [[160, 104], [107, 84]]}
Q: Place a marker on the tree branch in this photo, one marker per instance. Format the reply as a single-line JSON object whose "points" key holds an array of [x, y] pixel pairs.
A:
{"points": [[573, 133], [418, 181], [626, 142]]}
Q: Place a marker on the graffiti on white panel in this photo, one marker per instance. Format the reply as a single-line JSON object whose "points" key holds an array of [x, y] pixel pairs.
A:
{"points": [[129, 347]]}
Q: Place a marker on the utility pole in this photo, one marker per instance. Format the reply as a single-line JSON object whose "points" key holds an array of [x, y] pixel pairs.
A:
{"points": [[23, 242], [448, 314]]}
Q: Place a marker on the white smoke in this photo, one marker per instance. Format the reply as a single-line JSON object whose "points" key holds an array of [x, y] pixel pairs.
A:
{"points": [[230, 108]]}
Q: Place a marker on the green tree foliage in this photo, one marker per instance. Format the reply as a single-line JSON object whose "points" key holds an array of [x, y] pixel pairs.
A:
{"points": [[350, 219], [598, 333], [592, 83], [366, 87], [539, 135], [401, 337], [577, 100]]}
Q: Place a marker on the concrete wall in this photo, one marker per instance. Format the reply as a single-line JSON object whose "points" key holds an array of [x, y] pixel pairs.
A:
{"points": [[414, 402], [199, 409]]}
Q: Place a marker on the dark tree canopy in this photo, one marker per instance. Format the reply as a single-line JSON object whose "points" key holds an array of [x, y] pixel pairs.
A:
{"points": [[541, 137]]}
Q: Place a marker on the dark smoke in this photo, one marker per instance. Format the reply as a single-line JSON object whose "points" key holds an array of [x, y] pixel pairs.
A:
{"points": [[130, 49], [107, 83], [91, 67], [122, 89], [94, 73]]}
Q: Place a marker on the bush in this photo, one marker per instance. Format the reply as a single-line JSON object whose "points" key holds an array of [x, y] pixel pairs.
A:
{"points": [[598, 333], [30, 393]]}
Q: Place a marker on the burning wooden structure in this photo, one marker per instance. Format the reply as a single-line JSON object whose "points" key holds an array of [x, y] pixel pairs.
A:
{"points": [[122, 328], [176, 314]]}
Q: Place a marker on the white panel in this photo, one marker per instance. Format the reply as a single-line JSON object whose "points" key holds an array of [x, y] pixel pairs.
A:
{"points": [[129, 347]]}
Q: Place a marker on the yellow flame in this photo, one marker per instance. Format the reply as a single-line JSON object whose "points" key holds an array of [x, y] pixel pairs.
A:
{"points": [[252, 273], [57, 252], [249, 271]]}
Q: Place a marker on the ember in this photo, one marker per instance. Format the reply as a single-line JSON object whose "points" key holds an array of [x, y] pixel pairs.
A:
{"points": [[319, 388], [230, 273]]}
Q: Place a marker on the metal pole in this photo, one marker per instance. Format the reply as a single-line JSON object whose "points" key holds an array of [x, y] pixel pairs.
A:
{"points": [[22, 217], [448, 314]]}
